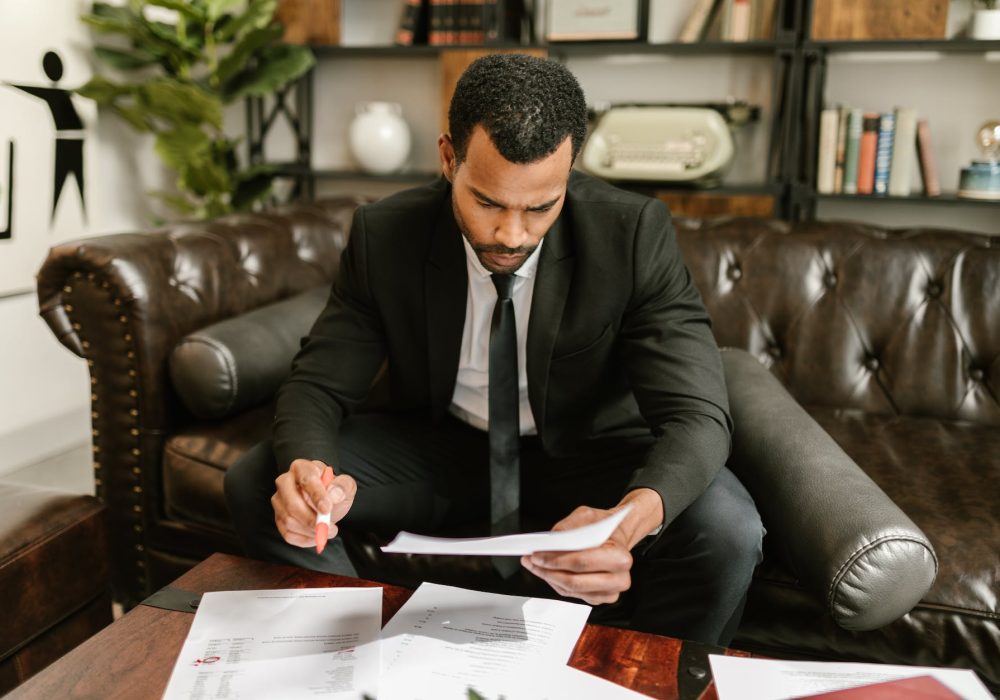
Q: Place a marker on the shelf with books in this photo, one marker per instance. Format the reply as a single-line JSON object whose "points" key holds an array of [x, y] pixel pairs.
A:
{"points": [[899, 164], [779, 52]]}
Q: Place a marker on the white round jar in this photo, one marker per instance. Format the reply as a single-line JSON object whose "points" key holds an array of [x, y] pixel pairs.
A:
{"points": [[379, 137]]}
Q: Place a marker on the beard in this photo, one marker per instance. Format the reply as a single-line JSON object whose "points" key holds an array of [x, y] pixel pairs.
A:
{"points": [[484, 251]]}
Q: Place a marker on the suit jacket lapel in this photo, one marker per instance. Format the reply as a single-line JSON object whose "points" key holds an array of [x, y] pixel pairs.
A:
{"points": [[552, 280], [446, 288]]}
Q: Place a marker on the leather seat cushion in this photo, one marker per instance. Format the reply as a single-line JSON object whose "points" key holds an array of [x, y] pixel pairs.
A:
{"points": [[943, 476], [53, 560], [195, 461]]}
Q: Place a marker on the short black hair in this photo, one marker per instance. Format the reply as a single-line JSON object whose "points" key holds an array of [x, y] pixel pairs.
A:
{"points": [[527, 105]]}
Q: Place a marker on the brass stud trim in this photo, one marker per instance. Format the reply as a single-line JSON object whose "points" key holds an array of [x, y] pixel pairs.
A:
{"points": [[135, 451], [134, 431], [137, 489], [133, 412], [128, 337], [68, 307], [136, 470], [123, 318], [133, 393], [67, 289], [137, 508], [85, 344]]}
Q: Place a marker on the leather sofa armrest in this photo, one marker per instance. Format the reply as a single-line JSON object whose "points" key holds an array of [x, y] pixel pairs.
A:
{"points": [[124, 301], [843, 537]]}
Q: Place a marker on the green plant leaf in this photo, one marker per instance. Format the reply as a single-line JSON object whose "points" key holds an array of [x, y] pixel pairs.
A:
{"points": [[251, 188], [182, 145], [109, 25], [177, 202], [102, 91], [277, 66], [217, 8], [125, 60], [190, 10], [180, 103], [257, 15], [205, 178], [135, 116], [244, 49]]}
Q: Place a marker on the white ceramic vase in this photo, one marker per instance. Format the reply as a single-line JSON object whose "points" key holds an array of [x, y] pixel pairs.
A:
{"points": [[985, 24], [379, 137]]}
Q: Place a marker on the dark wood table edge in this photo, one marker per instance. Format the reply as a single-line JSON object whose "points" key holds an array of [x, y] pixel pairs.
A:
{"points": [[661, 667]]}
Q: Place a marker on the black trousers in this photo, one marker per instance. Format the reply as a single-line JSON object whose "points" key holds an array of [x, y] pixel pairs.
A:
{"points": [[690, 583]]}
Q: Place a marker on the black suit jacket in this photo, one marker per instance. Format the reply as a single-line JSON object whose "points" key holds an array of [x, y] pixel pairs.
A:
{"points": [[619, 343]]}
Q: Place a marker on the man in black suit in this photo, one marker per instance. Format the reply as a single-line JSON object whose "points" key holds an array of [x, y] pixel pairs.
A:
{"points": [[518, 289]]}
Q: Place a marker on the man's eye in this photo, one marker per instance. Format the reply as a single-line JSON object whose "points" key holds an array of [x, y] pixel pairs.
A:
{"points": [[487, 205], [540, 210]]}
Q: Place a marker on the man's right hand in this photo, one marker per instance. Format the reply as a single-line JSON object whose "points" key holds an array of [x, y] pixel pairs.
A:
{"points": [[300, 496]]}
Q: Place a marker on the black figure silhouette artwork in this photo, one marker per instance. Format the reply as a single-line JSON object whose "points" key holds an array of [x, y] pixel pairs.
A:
{"points": [[5, 232], [69, 128]]}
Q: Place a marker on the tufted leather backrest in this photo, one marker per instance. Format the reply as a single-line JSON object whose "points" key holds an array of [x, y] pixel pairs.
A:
{"points": [[853, 316]]}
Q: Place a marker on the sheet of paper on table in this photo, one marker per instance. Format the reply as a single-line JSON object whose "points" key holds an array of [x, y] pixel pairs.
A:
{"points": [[766, 679], [294, 643], [445, 640], [585, 537]]}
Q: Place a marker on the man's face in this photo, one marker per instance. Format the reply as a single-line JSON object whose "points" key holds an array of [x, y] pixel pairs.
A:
{"points": [[504, 209]]}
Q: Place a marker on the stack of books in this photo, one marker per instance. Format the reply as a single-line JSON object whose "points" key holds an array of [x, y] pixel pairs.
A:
{"points": [[874, 153], [441, 22], [730, 20]]}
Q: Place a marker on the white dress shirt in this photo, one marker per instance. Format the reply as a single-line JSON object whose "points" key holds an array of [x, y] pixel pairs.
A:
{"points": [[470, 402]]}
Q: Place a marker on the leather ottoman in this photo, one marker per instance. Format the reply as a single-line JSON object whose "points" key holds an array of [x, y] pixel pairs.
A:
{"points": [[54, 580]]}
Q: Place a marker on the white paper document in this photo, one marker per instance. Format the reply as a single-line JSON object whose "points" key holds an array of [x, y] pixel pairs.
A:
{"points": [[586, 537], [445, 640], [763, 679], [294, 643]]}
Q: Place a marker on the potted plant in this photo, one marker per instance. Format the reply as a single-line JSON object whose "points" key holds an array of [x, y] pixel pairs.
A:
{"points": [[181, 73], [986, 20]]}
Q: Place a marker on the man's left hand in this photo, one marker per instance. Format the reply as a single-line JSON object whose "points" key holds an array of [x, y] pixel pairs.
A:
{"points": [[595, 575]]}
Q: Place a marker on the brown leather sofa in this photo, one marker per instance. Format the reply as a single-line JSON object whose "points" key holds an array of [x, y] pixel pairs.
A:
{"points": [[889, 339]]}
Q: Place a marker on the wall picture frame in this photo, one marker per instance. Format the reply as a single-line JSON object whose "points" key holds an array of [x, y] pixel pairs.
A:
{"points": [[596, 20]]}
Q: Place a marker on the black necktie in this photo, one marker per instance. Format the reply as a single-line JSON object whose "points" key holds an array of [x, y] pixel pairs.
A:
{"points": [[504, 406]]}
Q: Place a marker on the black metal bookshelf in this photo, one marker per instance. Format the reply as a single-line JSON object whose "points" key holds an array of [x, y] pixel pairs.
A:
{"points": [[799, 67]]}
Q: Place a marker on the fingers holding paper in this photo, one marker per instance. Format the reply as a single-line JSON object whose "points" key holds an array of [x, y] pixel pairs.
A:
{"points": [[597, 575], [301, 495]]}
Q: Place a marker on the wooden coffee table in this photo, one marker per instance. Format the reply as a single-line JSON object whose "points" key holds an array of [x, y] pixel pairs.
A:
{"points": [[134, 657]]}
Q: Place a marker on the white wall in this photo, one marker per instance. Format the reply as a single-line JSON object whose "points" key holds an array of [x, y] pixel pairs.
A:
{"points": [[44, 397]]}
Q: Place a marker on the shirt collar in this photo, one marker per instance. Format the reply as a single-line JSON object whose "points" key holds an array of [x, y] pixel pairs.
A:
{"points": [[527, 270]]}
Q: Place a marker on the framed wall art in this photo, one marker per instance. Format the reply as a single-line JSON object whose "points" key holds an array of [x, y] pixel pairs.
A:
{"points": [[596, 20]]}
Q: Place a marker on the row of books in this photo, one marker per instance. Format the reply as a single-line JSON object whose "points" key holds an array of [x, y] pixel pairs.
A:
{"points": [[440, 22], [730, 20], [872, 153]]}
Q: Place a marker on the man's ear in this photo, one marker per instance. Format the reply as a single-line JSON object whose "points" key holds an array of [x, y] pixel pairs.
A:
{"points": [[446, 152]]}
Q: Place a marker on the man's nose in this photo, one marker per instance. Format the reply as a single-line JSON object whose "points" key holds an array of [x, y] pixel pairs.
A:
{"points": [[511, 231]]}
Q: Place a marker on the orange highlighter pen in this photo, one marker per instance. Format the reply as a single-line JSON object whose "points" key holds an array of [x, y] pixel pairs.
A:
{"points": [[323, 519]]}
